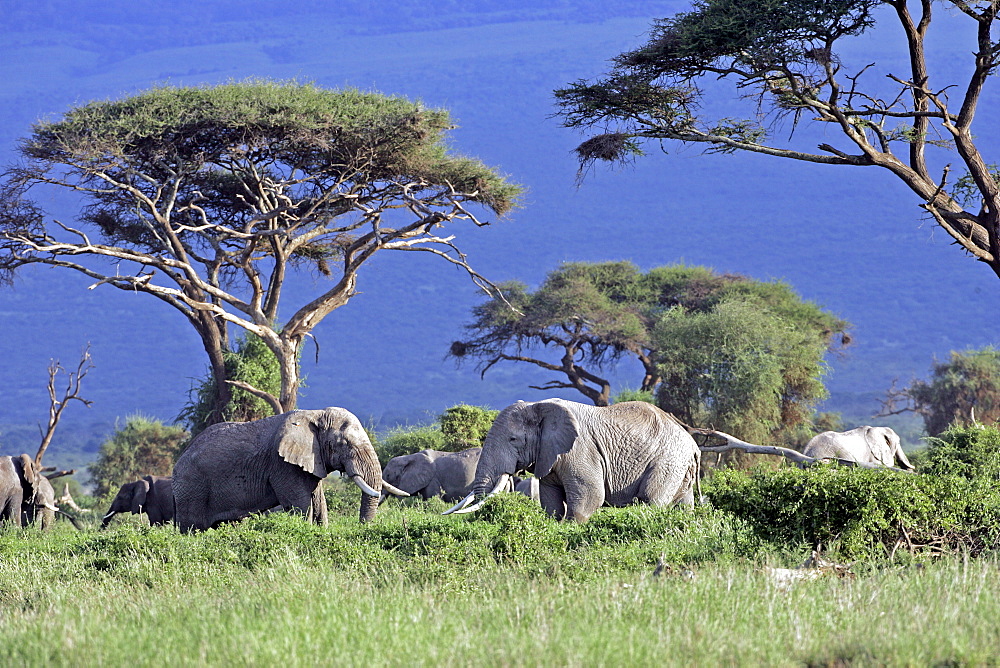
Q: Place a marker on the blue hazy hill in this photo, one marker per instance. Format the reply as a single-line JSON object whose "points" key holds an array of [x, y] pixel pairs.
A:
{"points": [[851, 240]]}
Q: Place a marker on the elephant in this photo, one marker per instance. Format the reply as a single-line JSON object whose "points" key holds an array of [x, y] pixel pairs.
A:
{"points": [[588, 456], [433, 473], [23, 491], [234, 469], [153, 495], [869, 445], [528, 487]]}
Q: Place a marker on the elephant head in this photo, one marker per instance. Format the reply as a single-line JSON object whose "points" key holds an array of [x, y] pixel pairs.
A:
{"points": [[526, 436], [131, 498], [885, 447], [410, 473], [332, 439]]}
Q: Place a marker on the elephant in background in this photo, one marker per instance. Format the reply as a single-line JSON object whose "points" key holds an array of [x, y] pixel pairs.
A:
{"points": [[528, 487], [588, 456], [870, 445], [24, 491], [234, 469], [152, 495], [433, 473]]}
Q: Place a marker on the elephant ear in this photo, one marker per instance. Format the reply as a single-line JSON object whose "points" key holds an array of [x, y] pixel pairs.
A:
{"points": [[416, 474], [557, 431], [298, 443], [880, 445], [139, 491], [30, 475]]}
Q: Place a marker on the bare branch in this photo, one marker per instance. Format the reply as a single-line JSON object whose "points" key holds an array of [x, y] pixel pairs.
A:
{"points": [[72, 392]]}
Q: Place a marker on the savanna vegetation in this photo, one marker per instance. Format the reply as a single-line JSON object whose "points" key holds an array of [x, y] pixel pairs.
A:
{"points": [[916, 582], [744, 355]]}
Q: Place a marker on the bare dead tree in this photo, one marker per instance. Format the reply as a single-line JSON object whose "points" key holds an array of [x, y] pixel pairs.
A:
{"points": [[58, 404]]}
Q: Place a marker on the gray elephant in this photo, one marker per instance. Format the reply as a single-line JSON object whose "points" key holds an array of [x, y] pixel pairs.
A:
{"points": [[235, 469], [528, 487], [433, 473], [588, 456], [152, 495], [24, 491], [869, 445]]}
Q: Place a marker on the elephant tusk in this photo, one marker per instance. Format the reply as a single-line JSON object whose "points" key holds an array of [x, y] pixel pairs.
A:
{"points": [[395, 491], [463, 507], [110, 515], [50, 507], [365, 487], [461, 504]]}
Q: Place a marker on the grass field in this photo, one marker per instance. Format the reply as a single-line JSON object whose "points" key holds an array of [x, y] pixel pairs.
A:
{"points": [[507, 588]]}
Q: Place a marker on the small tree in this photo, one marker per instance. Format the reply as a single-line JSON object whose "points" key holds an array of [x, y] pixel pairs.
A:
{"points": [[740, 368], [207, 198], [144, 446], [592, 315], [961, 391]]}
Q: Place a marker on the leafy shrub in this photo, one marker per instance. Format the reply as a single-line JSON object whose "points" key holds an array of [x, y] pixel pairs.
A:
{"points": [[634, 395], [407, 441], [971, 451], [868, 512], [466, 426], [251, 362], [143, 446]]}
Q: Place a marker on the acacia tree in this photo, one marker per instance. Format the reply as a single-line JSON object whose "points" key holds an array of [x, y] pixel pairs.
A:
{"points": [[207, 198], [592, 315], [782, 57]]}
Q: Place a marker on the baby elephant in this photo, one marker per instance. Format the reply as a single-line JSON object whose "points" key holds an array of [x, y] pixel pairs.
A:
{"points": [[152, 495]]}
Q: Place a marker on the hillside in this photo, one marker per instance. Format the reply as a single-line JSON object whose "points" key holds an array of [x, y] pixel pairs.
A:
{"points": [[852, 241]]}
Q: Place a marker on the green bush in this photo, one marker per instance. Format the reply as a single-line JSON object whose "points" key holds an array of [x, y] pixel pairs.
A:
{"points": [[458, 428], [402, 441], [971, 452], [144, 446], [466, 426], [866, 512]]}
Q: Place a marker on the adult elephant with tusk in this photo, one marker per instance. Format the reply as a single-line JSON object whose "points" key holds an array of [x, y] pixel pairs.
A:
{"points": [[588, 456], [234, 469]]}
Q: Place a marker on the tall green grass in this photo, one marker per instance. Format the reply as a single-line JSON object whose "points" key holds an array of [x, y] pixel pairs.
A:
{"points": [[507, 587]]}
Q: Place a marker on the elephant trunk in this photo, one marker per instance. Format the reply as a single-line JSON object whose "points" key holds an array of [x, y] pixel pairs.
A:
{"points": [[366, 473], [107, 519]]}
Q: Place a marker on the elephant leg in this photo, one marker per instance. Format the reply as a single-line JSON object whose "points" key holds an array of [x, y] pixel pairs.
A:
{"points": [[296, 499], [583, 500], [553, 500], [318, 512]]}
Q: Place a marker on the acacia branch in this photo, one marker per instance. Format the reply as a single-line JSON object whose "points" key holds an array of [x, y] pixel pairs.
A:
{"points": [[271, 400]]}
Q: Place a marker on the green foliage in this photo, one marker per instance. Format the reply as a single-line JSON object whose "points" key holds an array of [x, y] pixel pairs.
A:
{"points": [[144, 446], [865, 513], [458, 428], [252, 362], [740, 367], [634, 395], [972, 452], [466, 426], [590, 315], [969, 382]]}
